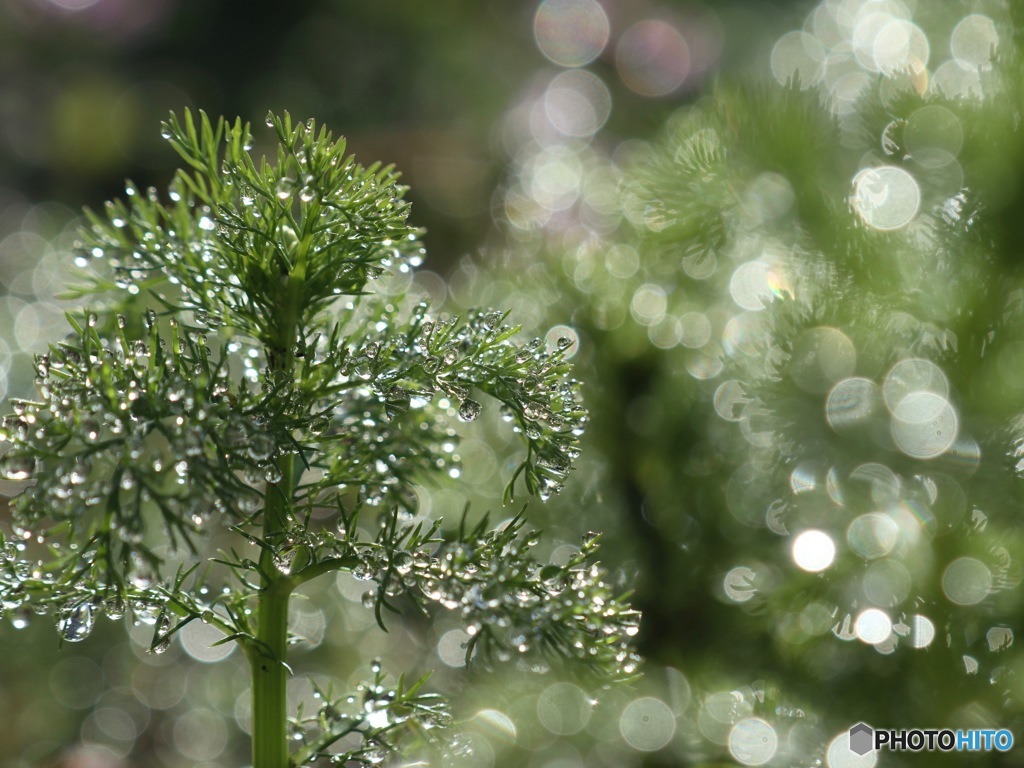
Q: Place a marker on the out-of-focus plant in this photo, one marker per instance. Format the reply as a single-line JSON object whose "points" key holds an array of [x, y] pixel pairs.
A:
{"points": [[804, 314], [269, 404]]}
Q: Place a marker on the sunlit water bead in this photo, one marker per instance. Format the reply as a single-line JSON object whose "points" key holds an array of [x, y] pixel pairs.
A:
{"points": [[851, 403], [563, 338], [571, 33], [839, 755], [813, 550], [967, 581], [886, 198], [752, 741], [76, 623]]}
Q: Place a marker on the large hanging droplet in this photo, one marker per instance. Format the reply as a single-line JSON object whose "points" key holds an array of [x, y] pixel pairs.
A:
{"points": [[76, 624], [469, 410]]}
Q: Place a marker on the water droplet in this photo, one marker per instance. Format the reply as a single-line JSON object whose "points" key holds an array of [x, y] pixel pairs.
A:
{"points": [[260, 447], [17, 467], [403, 562], [364, 571], [114, 607], [284, 188], [369, 599], [469, 410], [76, 623], [21, 618], [307, 194]]}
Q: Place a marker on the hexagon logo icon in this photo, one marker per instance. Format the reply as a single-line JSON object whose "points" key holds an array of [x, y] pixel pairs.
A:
{"points": [[861, 739]]}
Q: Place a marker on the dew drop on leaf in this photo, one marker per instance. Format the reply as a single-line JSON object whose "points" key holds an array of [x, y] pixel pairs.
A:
{"points": [[76, 623], [469, 410], [284, 188], [114, 607]]}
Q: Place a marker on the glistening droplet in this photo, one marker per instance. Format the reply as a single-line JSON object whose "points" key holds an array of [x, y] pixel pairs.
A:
{"points": [[76, 623], [469, 410]]}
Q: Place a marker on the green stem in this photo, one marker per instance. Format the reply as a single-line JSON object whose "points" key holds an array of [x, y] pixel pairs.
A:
{"points": [[269, 658], [269, 680]]}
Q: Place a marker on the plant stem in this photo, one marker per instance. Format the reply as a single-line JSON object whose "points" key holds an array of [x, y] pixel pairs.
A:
{"points": [[269, 680], [268, 661]]}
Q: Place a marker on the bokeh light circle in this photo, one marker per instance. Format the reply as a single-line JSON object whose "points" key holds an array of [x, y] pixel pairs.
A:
{"points": [[872, 535], [873, 626], [752, 741], [198, 641], [922, 631], [821, 357], [887, 582], [571, 33], [799, 57], [974, 40], [653, 58], [913, 375], [851, 402], [564, 709], [577, 103], [813, 551], [647, 724], [924, 425], [966, 581], [886, 197], [738, 584]]}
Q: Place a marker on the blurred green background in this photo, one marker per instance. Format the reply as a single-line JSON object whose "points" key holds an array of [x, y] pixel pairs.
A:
{"points": [[551, 153]]}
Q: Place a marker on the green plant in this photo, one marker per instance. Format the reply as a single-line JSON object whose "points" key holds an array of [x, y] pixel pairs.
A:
{"points": [[267, 405]]}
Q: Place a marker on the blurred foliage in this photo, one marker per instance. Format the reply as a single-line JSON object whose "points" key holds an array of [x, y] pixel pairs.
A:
{"points": [[770, 306], [800, 307]]}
